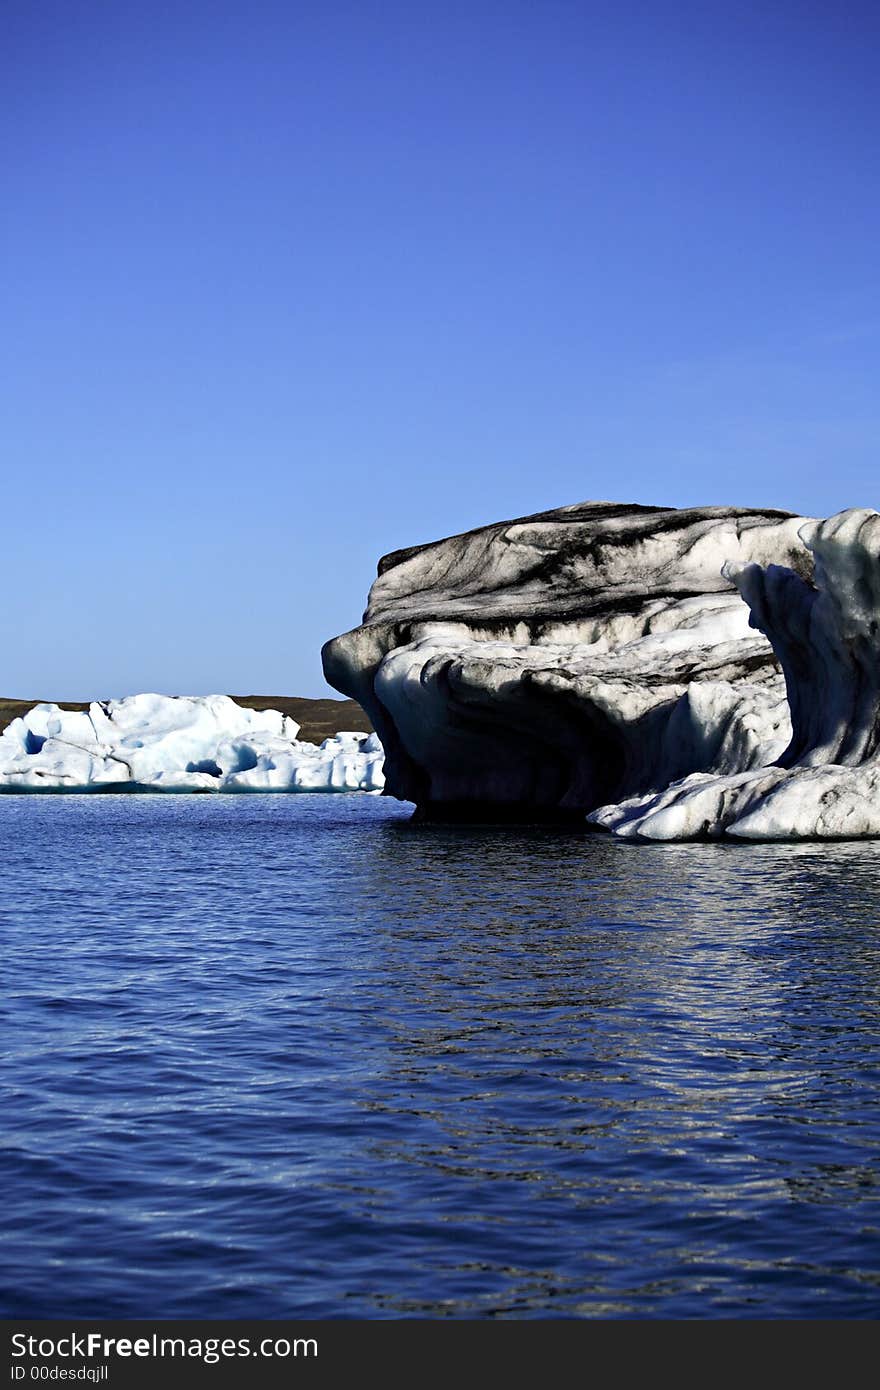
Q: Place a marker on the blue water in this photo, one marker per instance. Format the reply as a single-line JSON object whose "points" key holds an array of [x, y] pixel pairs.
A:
{"points": [[294, 1056]]}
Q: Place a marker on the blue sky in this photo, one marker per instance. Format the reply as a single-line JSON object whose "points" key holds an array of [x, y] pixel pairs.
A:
{"points": [[286, 286]]}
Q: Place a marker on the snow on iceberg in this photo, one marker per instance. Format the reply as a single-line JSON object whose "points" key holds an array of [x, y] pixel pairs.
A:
{"points": [[179, 744]]}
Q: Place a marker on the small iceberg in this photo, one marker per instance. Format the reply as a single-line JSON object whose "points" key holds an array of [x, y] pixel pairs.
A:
{"points": [[183, 743]]}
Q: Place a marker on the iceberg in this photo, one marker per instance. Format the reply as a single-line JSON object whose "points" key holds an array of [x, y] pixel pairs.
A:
{"points": [[179, 744], [546, 667], [665, 674]]}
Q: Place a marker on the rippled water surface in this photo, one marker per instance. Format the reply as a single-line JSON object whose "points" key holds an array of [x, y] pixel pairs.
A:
{"points": [[294, 1056]]}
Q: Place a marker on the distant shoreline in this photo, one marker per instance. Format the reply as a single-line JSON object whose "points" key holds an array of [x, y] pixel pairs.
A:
{"points": [[318, 719]]}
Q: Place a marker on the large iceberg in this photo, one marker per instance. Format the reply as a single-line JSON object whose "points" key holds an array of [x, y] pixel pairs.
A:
{"points": [[549, 666], [179, 744]]}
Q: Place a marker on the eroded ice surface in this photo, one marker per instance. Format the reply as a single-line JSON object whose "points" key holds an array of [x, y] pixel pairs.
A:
{"points": [[601, 659], [179, 744], [549, 665], [826, 783]]}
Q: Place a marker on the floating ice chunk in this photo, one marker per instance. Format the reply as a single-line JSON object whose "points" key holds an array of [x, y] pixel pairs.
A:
{"points": [[179, 744], [569, 659]]}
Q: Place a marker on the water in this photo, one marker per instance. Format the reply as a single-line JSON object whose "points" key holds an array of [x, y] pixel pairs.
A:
{"points": [[294, 1056]]}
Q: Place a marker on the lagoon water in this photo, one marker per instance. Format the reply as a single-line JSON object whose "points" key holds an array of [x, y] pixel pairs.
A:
{"points": [[295, 1056]]}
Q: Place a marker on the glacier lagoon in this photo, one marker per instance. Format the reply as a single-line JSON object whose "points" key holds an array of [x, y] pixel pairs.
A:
{"points": [[278, 1056]]}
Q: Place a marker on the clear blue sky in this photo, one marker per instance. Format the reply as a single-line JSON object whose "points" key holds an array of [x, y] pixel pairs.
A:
{"points": [[288, 285]]}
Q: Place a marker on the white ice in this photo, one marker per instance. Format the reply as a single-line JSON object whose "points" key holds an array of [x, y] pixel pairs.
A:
{"points": [[180, 744]]}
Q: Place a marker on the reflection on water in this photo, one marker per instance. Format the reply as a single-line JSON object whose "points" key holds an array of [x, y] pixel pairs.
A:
{"points": [[297, 1056]]}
